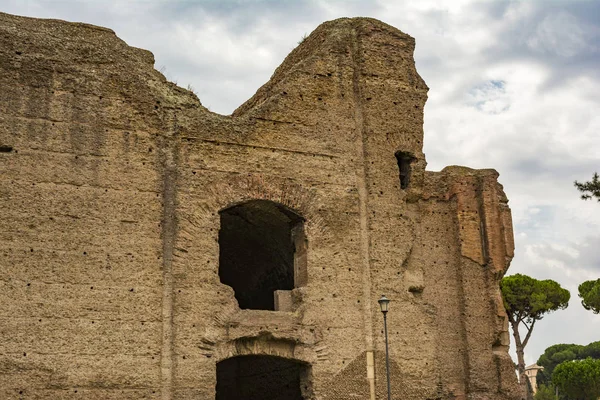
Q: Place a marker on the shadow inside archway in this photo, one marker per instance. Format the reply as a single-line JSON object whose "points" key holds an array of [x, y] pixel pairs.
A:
{"points": [[261, 377]]}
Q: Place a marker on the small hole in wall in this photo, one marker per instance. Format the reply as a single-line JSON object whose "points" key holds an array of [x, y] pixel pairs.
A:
{"points": [[5, 149], [404, 160]]}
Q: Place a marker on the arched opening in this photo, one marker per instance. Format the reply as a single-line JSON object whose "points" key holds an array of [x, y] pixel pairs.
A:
{"points": [[261, 377], [262, 253], [404, 160]]}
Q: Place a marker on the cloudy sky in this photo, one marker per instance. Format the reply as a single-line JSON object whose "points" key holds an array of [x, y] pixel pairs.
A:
{"points": [[515, 85]]}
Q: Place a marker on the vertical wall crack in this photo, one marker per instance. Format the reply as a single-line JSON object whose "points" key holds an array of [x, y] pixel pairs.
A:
{"points": [[482, 222], [169, 161], [363, 193], [460, 277]]}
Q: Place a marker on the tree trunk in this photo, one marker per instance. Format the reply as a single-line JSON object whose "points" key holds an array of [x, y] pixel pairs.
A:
{"points": [[520, 360]]}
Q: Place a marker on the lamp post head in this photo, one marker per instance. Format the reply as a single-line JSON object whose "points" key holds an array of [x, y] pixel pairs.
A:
{"points": [[384, 304]]}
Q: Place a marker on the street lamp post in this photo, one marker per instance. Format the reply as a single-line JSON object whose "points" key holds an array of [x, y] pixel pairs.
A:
{"points": [[384, 304]]}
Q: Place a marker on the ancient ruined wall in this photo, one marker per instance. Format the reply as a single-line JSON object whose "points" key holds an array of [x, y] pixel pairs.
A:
{"points": [[111, 186], [472, 245], [81, 196]]}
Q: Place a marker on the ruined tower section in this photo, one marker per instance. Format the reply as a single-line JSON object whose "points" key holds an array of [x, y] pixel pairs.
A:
{"points": [[153, 249], [437, 242]]}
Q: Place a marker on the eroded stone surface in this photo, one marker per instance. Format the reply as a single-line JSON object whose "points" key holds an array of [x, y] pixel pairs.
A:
{"points": [[111, 193]]}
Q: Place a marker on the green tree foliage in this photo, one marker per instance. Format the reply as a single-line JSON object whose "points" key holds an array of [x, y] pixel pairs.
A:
{"points": [[553, 356], [558, 353], [527, 300], [589, 189], [589, 291], [545, 392], [578, 379], [591, 350]]}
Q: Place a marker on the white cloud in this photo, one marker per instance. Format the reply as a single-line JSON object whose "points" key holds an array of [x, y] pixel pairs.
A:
{"points": [[559, 33], [489, 97]]}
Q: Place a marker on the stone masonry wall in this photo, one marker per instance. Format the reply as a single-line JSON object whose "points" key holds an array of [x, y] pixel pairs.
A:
{"points": [[111, 183]]}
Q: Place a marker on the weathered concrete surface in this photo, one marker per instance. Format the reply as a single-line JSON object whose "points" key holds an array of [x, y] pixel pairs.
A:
{"points": [[111, 183]]}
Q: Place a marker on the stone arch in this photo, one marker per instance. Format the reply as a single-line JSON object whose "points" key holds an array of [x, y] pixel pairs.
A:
{"points": [[280, 366], [263, 344], [241, 188]]}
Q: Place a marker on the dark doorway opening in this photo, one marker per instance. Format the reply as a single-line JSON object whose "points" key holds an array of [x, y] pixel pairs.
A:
{"points": [[261, 249], [261, 378], [404, 160]]}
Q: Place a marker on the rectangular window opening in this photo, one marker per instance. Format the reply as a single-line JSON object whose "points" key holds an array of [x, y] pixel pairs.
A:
{"points": [[404, 161]]}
